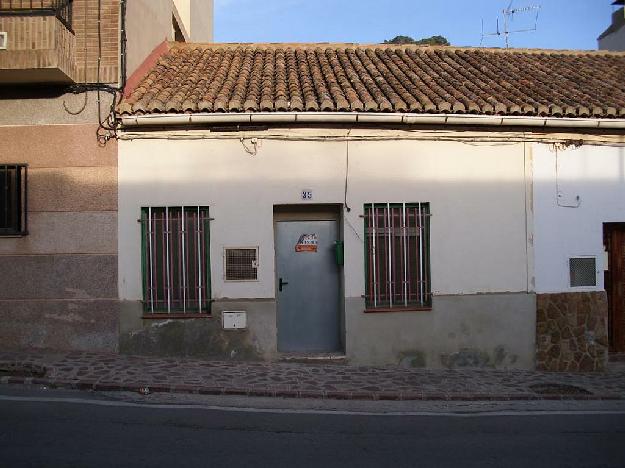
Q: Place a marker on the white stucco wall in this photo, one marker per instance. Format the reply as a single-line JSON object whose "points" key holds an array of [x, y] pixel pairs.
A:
{"points": [[595, 174], [477, 194]]}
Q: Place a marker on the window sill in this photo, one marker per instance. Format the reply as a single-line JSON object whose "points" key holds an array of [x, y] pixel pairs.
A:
{"points": [[385, 310], [13, 234], [164, 316]]}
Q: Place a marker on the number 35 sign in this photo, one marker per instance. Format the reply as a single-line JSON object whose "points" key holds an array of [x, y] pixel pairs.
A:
{"points": [[307, 194]]}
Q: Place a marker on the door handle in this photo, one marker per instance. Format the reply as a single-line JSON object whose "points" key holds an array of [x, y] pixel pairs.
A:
{"points": [[281, 283]]}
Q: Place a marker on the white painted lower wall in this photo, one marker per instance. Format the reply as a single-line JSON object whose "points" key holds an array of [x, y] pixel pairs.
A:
{"points": [[571, 203]]}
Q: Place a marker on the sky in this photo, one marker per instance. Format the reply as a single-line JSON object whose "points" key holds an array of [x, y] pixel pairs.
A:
{"points": [[562, 24]]}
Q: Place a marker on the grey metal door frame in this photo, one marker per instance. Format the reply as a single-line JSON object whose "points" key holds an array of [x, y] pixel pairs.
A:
{"points": [[327, 213]]}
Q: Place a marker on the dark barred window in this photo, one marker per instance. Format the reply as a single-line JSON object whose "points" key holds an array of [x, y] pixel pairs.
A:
{"points": [[13, 199], [397, 256], [176, 262]]}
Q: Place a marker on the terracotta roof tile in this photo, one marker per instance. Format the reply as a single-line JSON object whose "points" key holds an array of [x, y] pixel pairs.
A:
{"points": [[381, 78]]}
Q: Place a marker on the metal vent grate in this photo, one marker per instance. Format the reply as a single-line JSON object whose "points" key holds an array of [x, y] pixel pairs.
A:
{"points": [[241, 264], [583, 271]]}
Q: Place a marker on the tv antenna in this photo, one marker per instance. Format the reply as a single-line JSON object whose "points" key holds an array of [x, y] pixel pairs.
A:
{"points": [[508, 16]]}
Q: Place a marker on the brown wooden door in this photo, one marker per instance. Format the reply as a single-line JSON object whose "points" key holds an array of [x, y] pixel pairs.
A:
{"points": [[614, 235]]}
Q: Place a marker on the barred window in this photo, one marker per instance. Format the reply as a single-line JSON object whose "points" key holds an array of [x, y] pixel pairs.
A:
{"points": [[13, 199], [176, 263], [397, 255]]}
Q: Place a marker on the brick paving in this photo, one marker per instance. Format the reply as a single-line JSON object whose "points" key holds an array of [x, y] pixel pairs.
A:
{"points": [[110, 372]]}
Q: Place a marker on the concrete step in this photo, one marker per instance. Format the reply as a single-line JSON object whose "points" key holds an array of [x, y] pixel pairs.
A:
{"points": [[314, 358]]}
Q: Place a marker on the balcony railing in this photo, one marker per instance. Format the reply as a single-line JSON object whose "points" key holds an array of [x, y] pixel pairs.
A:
{"points": [[62, 9]]}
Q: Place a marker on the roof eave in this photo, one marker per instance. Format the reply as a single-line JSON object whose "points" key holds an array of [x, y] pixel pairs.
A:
{"points": [[182, 120]]}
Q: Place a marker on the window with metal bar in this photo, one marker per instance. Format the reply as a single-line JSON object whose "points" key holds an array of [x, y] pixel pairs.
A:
{"points": [[175, 259], [13, 199], [397, 255], [241, 264]]}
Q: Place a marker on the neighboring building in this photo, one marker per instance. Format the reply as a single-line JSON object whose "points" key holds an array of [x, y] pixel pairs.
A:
{"points": [[422, 206], [173, 20], [613, 38], [579, 246], [61, 63]]}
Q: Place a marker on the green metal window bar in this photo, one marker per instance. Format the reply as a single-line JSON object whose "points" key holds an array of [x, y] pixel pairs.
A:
{"points": [[176, 259]]}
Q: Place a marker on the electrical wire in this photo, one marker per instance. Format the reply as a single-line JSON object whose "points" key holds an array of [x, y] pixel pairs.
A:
{"points": [[347, 208], [504, 139], [557, 148], [107, 126], [84, 105], [353, 229], [101, 132]]}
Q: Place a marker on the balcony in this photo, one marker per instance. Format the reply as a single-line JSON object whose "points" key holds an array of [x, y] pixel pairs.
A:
{"points": [[39, 43]]}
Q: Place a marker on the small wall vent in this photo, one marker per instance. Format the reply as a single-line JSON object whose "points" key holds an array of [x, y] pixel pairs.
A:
{"points": [[241, 263], [3, 40], [583, 271]]}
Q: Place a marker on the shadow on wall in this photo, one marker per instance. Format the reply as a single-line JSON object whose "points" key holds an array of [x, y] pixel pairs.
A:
{"points": [[58, 287]]}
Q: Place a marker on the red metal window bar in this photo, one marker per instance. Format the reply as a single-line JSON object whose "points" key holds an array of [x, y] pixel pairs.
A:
{"points": [[397, 255], [175, 259]]}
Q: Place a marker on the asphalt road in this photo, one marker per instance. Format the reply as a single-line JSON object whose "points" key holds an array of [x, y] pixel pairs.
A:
{"points": [[82, 430]]}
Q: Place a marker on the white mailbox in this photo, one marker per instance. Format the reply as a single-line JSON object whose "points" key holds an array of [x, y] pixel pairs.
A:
{"points": [[233, 320]]}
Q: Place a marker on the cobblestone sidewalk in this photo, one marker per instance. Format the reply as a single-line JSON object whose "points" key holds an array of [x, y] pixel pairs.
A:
{"points": [[108, 372]]}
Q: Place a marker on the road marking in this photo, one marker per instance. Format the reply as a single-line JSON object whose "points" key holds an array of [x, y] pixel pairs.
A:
{"points": [[474, 414]]}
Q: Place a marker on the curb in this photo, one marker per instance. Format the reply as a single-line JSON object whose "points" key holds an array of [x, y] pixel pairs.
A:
{"points": [[146, 389]]}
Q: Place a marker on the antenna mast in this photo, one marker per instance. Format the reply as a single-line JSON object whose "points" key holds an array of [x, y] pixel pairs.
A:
{"points": [[508, 16]]}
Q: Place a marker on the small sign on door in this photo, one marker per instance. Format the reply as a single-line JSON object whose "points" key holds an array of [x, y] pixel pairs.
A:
{"points": [[307, 194], [307, 243]]}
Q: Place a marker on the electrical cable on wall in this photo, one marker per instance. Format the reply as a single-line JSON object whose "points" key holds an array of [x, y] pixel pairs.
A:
{"points": [[251, 151], [557, 148], [84, 105], [504, 138], [347, 208], [107, 127]]}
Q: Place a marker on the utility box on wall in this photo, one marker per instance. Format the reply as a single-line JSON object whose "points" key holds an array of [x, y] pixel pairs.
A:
{"points": [[234, 320]]}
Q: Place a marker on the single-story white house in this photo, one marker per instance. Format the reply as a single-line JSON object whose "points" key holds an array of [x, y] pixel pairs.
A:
{"points": [[421, 206]]}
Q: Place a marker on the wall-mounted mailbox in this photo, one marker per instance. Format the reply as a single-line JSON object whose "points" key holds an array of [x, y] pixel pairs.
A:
{"points": [[339, 252], [234, 320]]}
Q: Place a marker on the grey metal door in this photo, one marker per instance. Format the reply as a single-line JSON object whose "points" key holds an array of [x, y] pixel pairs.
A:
{"points": [[307, 286]]}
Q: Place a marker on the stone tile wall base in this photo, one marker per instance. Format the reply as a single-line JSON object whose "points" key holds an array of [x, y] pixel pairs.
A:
{"points": [[572, 331]]}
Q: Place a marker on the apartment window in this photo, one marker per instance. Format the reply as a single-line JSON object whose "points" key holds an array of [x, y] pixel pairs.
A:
{"points": [[13, 199], [397, 256], [175, 259]]}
